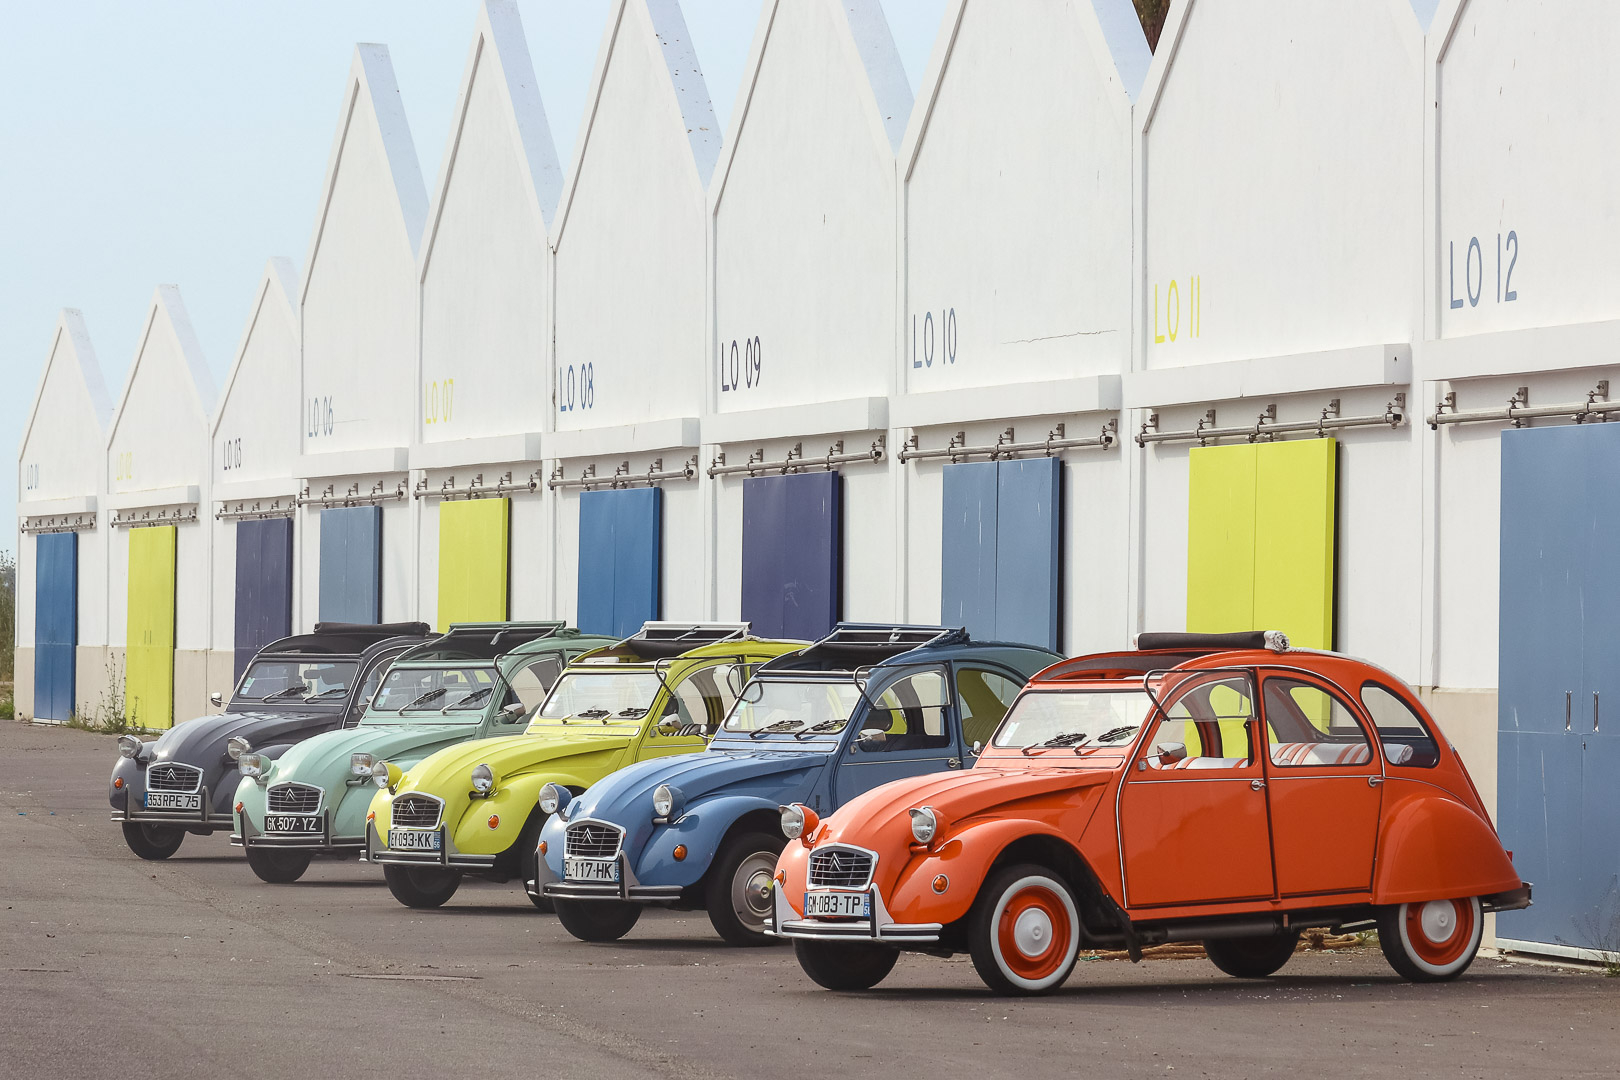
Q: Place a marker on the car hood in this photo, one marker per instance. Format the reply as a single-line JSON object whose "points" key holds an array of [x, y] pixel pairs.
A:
{"points": [[712, 772], [879, 816], [325, 757], [202, 741], [509, 756]]}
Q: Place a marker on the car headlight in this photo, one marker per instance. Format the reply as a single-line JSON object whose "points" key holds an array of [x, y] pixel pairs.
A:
{"points": [[253, 765], [793, 821], [383, 774], [483, 779], [667, 801], [554, 797], [360, 764], [924, 823], [235, 747], [129, 746]]}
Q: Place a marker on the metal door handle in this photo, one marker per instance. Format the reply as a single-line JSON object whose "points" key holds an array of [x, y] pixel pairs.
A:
{"points": [[1594, 712], [953, 763], [1567, 695], [1374, 781], [1258, 785]]}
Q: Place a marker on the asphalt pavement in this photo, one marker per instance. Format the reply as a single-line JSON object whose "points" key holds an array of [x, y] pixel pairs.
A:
{"points": [[110, 966]]}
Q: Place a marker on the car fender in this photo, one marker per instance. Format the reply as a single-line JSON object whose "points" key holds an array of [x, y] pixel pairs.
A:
{"points": [[509, 807], [134, 778], [965, 861], [1434, 847], [702, 828]]}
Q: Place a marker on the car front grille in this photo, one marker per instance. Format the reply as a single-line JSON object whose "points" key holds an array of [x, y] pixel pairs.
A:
{"points": [[416, 812], [592, 840], [172, 776], [841, 868], [293, 799]]}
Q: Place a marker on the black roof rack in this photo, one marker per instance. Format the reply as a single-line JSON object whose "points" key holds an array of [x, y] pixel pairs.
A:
{"points": [[856, 645], [482, 641], [1274, 640], [351, 638], [657, 640]]}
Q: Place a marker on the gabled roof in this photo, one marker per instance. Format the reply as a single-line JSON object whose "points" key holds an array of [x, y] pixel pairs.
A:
{"points": [[278, 287], [500, 51], [1175, 25], [885, 89], [686, 81], [1111, 27], [70, 344], [167, 312], [372, 89]]}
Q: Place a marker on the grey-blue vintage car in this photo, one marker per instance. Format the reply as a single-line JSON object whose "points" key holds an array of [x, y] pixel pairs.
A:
{"points": [[299, 686], [865, 705]]}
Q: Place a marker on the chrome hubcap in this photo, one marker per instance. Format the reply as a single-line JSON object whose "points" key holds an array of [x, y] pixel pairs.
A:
{"points": [[751, 888], [1439, 921], [1032, 933]]}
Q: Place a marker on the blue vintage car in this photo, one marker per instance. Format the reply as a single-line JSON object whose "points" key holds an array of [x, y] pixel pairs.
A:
{"points": [[865, 705]]}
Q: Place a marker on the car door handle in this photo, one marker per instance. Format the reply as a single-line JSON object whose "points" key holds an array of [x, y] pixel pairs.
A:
{"points": [[953, 763], [1374, 781], [1258, 785], [1594, 712]]}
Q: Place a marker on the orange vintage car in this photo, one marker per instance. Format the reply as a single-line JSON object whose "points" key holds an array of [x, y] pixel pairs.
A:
{"points": [[1220, 788]]}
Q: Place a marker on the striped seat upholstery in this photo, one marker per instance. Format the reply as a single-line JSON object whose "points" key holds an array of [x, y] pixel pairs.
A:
{"points": [[1312, 753]]}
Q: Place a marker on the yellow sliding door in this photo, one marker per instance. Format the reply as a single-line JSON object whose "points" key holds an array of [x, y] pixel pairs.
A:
{"points": [[149, 663], [473, 550]]}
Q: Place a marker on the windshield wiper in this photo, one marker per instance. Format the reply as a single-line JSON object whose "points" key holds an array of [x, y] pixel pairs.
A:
{"points": [[423, 700], [291, 691], [329, 693], [1068, 738], [591, 714], [779, 726], [468, 700], [631, 711], [1114, 734], [825, 725]]}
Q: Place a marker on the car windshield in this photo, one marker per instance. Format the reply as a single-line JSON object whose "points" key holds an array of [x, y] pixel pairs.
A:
{"points": [[458, 694], [789, 706], [1082, 719], [296, 680], [600, 696]]}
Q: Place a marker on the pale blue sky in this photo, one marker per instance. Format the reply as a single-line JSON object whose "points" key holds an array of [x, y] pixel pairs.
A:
{"points": [[184, 141]]}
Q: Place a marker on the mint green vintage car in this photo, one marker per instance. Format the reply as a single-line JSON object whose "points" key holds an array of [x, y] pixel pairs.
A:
{"points": [[477, 681]]}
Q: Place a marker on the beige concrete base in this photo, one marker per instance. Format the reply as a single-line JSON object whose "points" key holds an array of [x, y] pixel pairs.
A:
{"points": [[22, 687]]}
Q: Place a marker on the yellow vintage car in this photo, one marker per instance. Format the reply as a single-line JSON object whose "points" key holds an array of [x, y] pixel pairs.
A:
{"points": [[473, 807]]}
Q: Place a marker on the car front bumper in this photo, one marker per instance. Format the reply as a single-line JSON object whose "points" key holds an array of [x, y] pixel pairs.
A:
{"points": [[447, 855], [246, 835], [787, 923], [547, 885], [202, 818]]}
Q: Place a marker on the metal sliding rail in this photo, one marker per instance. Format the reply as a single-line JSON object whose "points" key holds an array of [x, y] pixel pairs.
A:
{"points": [[59, 523], [622, 476], [1267, 428], [477, 489], [1006, 447], [181, 514], [1595, 409], [281, 506], [330, 499], [796, 461]]}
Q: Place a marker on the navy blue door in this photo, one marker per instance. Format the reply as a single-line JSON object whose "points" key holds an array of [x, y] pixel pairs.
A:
{"points": [[619, 552], [790, 554], [351, 565], [56, 623], [264, 554]]}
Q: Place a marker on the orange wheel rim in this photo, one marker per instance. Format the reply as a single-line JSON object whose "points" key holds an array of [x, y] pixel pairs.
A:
{"points": [[1440, 931], [1034, 933]]}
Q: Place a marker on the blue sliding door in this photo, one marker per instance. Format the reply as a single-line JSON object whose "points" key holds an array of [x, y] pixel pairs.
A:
{"points": [[1000, 558], [56, 623], [619, 550], [792, 535], [351, 565], [264, 554]]}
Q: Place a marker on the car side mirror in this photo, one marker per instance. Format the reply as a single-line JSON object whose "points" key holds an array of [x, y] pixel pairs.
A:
{"points": [[216, 699], [872, 739], [511, 714], [1169, 753], [670, 725]]}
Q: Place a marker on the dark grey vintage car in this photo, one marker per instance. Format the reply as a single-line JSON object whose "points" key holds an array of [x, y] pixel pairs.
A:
{"points": [[183, 781]]}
